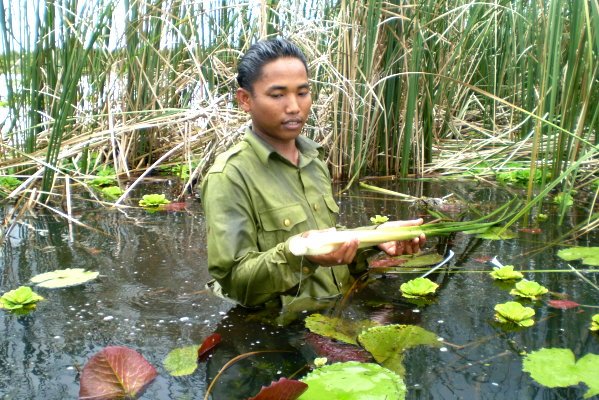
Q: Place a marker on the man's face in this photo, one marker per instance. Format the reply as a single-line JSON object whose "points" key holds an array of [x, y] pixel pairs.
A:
{"points": [[280, 102]]}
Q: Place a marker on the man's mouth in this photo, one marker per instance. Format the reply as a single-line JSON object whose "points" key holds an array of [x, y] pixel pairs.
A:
{"points": [[293, 123]]}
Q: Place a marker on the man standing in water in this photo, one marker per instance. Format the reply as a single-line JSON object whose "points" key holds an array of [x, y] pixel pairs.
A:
{"points": [[274, 185]]}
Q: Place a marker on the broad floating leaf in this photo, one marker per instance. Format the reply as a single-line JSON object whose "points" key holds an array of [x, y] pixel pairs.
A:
{"points": [[335, 351], [283, 389], [562, 304], [529, 289], [556, 367], [64, 277], [407, 260], [506, 273], [353, 381], [514, 312], [181, 361], [418, 287], [588, 255], [115, 372], [496, 233], [337, 328], [208, 344], [387, 343], [19, 298]]}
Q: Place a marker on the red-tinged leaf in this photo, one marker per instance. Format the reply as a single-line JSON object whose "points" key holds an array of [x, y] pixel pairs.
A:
{"points": [[179, 206], [483, 259], [562, 304], [533, 231], [387, 262], [115, 372], [336, 351], [283, 389], [208, 345]]}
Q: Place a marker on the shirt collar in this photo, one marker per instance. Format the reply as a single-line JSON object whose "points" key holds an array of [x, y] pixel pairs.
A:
{"points": [[309, 148]]}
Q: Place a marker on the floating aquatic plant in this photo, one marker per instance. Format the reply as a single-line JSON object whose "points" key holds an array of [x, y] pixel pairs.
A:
{"points": [[557, 367], [418, 287], [112, 192], [353, 380], [283, 389], [181, 361], [105, 177], [379, 219], [20, 298], [595, 323], [529, 289], [153, 200], [564, 199], [514, 312], [64, 277], [588, 255], [344, 330], [506, 273], [115, 372]]}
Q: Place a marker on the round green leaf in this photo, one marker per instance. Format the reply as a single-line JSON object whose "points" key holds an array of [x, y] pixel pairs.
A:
{"points": [[353, 380], [588, 255], [64, 277], [182, 361]]}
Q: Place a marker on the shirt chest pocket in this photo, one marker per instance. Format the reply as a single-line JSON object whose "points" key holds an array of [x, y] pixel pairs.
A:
{"points": [[279, 224]]}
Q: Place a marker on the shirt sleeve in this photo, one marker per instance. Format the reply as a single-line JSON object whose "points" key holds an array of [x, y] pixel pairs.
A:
{"points": [[246, 274]]}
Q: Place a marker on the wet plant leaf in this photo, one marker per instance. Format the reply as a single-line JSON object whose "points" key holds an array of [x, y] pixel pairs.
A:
{"points": [[514, 312], [562, 304], [413, 261], [496, 233], [208, 344], [353, 381], [529, 289], [21, 297], [588, 255], [115, 372], [378, 219], [179, 206], [335, 351], [506, 273], [64, 277], [181, 361], [337, 328], [387, 343], [283, 389], [532, 231], [594, 323], [418, 287], [556, 367]]}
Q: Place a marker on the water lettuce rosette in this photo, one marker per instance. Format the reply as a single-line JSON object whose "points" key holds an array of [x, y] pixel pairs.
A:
{"points": [[20, 298], [529, 289], [418, 287], [506, 273], [595, 323], [514, 312]]}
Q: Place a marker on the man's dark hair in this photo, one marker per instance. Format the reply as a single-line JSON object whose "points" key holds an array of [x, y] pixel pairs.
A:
{"points": [[261, 53]]}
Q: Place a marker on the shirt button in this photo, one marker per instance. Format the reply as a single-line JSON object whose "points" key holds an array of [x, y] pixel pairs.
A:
{"points": [[287, 222], [306, 270], [315, 207]]}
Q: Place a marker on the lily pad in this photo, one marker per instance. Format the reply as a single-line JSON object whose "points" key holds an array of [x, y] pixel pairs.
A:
{"points": [[19, 298], [529, 289], [283, 389], [412, 261], [182, 361], [353, 381], [506, 273], [588, 255], [496, 233], [64, 277], [557, 367], [387, 343], [115, 372], [337, 328]]}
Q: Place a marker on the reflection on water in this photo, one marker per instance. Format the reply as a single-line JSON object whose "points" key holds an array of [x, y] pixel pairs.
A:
{"points": [[150, 296]]}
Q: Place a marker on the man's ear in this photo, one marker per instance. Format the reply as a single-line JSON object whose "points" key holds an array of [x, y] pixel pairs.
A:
{"points": [[244, 99]]}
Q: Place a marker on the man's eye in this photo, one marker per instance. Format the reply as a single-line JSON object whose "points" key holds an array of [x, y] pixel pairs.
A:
{"points": [[306, 93], [276, 95]]}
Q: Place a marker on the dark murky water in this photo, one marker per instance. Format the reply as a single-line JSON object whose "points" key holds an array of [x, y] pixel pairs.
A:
{"points": [[150, 297]]}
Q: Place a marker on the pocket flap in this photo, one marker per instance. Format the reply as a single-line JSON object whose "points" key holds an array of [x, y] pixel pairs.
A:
{"points": [[283, 218]]}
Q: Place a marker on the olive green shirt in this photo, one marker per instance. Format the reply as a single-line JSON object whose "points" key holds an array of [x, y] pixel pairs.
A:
{"points": [[255, 200]]}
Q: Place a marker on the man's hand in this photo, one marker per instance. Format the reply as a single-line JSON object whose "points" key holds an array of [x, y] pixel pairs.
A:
{"points": [[397, 248]]}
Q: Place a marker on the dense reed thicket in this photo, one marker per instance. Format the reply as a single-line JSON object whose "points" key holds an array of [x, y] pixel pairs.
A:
{"points": [[399, 88]]}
